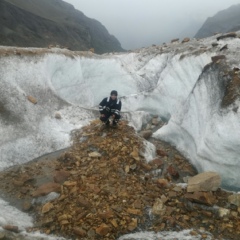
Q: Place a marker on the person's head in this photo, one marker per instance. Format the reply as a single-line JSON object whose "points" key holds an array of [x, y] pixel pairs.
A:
{"points": [[113, 94]]}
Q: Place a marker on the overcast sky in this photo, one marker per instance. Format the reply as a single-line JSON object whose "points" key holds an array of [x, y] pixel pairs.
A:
{"points": [[138, 23]]}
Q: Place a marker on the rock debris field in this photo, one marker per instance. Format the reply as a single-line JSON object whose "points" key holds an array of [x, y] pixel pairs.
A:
{"points": [[102, 188]]}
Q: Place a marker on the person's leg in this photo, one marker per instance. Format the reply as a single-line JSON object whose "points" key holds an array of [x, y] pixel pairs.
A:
{"points": [[105, 119], [116, 120]]}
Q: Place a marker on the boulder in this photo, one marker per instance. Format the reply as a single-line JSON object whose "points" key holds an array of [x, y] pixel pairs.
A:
{"points": [[207, 181], [228, 35], [206, 198], [46, 189], [234, 199]]}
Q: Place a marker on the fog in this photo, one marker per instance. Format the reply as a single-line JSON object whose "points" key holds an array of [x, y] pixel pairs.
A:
{"points": [[142, 23]]}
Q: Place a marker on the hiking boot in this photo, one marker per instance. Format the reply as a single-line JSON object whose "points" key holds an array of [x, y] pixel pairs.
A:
{"points": [[114, 124]]}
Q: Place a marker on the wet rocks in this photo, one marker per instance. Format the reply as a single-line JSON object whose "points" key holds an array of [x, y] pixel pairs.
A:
{"points": [[207, 181]]}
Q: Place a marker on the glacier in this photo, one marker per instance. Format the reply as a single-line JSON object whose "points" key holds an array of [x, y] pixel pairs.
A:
{"points": [[175, 81]]}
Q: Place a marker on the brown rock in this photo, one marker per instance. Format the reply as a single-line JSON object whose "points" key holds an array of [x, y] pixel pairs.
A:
{"points": [[185, 40], [162, 183], [135, 154], [219, 57], [114, 223], [103, 229], [207, 181], [146, 166], [61, 176], [83, 202], [134, 211], [173, 172], [32, 99], [79, 231], [172, 194], [27, 205], [162, 153], [214, 44], [234, 199], [157, 162], [58, 116], [46, 189], [206, 198], [146, 134], [47, 207], [228, 35], [106, 215], [133, 224], [158, 208], [11, 228]]}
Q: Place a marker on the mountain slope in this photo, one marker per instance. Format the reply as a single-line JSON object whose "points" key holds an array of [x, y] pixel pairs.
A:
{"points": [[224, 21], [32, 23]]}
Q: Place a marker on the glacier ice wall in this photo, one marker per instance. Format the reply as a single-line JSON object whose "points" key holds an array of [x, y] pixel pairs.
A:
{"points": [[170, 80]]}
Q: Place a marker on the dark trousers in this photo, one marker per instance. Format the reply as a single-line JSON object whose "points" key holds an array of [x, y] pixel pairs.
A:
{"points": [[108, 115]]}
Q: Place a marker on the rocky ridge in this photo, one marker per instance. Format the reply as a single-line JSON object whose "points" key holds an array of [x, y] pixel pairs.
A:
{"points": [[104, 188], [32, 23]]}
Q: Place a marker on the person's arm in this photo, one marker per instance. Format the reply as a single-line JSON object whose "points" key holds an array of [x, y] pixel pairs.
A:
{"points": [[117, 109], [102, 104]]}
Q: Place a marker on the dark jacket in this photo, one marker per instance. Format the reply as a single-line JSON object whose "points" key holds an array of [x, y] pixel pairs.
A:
{"points": [[107, 105]]}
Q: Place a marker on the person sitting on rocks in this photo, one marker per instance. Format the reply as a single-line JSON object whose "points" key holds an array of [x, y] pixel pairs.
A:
{"points": [[110, 107]]}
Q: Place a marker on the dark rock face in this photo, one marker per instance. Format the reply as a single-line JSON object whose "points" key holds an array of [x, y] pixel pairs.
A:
{"points": [[224, 21], [33, 23]]}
